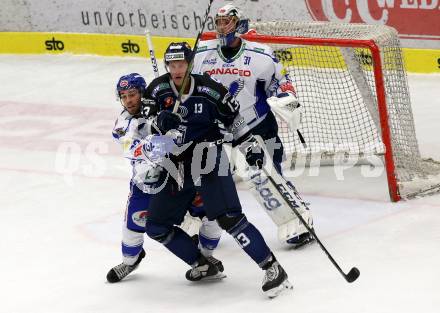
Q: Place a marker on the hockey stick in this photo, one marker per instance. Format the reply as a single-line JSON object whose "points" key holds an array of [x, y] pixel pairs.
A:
{"points": [[153, 64], [191, 62], [285, 191], [152, 55]]}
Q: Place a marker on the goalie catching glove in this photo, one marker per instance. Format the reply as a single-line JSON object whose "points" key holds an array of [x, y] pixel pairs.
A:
{"points": [[287, 108]]}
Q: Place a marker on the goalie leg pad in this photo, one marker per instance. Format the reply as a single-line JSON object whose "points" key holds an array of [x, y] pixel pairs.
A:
{"points": [[294, 228], [289, 226]]}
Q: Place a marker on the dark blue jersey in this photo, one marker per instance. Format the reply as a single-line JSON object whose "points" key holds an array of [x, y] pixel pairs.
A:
{"points": [[206, 104]]}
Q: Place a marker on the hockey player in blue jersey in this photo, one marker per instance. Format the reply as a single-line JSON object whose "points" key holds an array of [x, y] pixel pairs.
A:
{"points": [[252, 74], [204, 168], [130, 128]]}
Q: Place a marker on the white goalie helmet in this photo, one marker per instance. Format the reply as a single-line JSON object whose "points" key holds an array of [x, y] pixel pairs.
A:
{"points": [[229, 20]]}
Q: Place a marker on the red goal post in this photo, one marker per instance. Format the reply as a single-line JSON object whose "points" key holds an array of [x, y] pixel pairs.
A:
{"points": [[352, 84]]}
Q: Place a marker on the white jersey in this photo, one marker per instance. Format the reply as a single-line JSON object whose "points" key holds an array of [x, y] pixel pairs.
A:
{"points": [[253, 75], [129, 131]]}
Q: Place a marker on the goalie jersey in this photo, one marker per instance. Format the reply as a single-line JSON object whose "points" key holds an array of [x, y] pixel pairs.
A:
{"points": [[251, 76]]}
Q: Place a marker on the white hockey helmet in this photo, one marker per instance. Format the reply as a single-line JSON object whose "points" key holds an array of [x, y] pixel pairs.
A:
{"points": [[229, 20]]}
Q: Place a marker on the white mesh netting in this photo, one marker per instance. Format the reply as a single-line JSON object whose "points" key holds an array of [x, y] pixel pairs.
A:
{"points": [[336, 86]]}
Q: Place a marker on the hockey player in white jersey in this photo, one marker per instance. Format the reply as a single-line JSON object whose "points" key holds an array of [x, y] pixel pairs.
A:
{"points": [[254, 77], [133, 124]]}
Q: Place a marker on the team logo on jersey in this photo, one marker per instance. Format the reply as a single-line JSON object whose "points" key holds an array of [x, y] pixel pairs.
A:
{"points": [[140, 218], [183, 111], [235, 87], [168, 102], [210, 61]]}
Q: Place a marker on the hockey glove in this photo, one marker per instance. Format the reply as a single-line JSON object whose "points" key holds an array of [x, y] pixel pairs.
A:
{"points": [[167, 120], [154, 148], [287, 108], [252, 151]]}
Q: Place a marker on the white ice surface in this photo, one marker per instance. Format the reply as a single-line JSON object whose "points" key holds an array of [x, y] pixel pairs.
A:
{"points": [[64, 187]]}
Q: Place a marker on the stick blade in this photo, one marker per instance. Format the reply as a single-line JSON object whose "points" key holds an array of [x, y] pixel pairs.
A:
{"points": [[352, 275]]}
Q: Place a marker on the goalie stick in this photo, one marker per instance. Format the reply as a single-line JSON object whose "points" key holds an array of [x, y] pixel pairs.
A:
{"points": [[289, 195]]}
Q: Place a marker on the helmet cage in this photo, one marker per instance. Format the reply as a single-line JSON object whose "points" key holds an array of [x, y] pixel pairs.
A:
{"points": [[238, 24]]}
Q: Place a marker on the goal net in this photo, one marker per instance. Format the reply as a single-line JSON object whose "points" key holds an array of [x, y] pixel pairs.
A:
{"points": [[351, 82]]}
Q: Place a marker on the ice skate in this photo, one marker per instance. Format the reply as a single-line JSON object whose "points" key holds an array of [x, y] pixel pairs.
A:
{"points": [[217, 263], [206, 269], [275, 280], [121, 271]]}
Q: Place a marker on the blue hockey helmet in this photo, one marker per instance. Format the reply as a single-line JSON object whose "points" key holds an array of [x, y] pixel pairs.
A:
{"points": [[178, 51], [131, 81], [230, 21]]}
